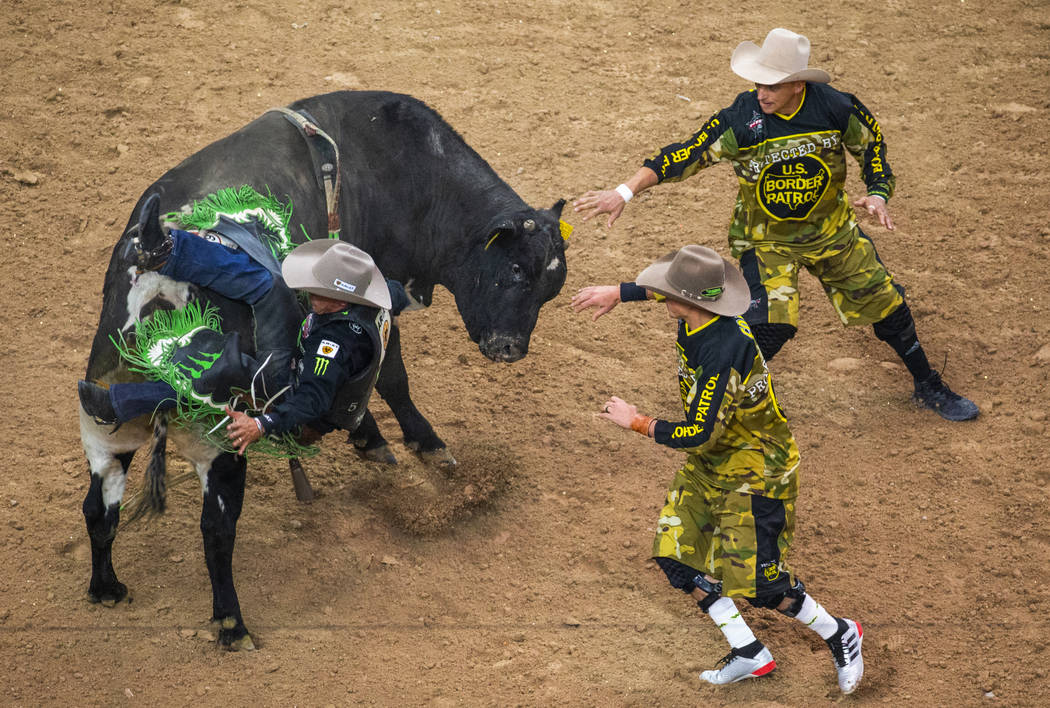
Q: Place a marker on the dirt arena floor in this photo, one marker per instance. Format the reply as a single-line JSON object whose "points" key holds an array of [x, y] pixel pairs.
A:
{"points": [[524, 578]]}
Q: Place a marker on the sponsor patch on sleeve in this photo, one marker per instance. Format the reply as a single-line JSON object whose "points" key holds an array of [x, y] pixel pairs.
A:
{"points": [[328, 349]]}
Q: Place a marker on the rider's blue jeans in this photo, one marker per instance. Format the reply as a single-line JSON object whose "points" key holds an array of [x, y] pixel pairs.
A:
{"points": [[230, 273]]}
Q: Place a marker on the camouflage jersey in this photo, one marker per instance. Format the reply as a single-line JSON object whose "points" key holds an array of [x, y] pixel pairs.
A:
{"points": [[791, 169], [735, 433]]}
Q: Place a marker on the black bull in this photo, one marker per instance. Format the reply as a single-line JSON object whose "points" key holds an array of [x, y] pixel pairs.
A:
{"points": [[416, 197]]}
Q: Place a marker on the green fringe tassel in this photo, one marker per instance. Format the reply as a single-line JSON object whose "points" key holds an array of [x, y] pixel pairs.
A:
{"points": [[242, 204], [149, 354]]}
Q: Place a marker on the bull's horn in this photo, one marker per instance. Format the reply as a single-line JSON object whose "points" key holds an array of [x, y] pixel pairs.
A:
{"points": [[529, 225]]}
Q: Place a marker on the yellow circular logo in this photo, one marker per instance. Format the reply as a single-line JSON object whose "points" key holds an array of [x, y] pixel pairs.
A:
{"points": [[788, 191]]}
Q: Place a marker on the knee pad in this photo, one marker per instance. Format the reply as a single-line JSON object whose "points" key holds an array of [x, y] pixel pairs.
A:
{"points": [[688, 579], [898, 330], [797, 593], [770, 337], [898, 325], [681, 576]]}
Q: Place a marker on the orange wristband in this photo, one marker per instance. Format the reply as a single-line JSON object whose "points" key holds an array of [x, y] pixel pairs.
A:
{"points": [[642, 424]]}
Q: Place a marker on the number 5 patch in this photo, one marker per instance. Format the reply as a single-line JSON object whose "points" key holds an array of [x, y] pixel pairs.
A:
{"points": [[328, 349]]}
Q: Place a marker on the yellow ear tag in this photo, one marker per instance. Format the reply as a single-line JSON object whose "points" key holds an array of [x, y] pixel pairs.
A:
{"points": [[566, 230]]}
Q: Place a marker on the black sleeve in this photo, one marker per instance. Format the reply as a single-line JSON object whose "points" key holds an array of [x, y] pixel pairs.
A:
{"points": [[332, 354], [716, 140], [630, 292], [711, 406], [398, 297]]}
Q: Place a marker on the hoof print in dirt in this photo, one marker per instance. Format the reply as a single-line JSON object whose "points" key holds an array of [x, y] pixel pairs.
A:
{"points": [[444, 501]]}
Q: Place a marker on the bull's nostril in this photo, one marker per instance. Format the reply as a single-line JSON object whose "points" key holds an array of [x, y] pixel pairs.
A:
{"points": [[500, 348]]}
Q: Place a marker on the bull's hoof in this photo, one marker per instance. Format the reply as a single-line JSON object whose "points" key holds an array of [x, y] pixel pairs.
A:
{"points": [[439, 457], [233, 635], [108, 595], [378, 454]]}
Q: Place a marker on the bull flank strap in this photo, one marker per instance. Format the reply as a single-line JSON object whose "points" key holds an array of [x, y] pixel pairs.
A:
{"points": [[325, 155]]}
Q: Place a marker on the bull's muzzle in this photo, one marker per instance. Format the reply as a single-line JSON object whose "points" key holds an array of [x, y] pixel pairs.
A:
{"points": [[500, 347]]}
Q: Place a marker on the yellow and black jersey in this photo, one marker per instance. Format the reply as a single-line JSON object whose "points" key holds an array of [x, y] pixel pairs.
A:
{"points": [[734, 430], [791, 168]]}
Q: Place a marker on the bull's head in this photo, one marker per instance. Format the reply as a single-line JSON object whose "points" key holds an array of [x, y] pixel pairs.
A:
{"points": [[505, 278]]}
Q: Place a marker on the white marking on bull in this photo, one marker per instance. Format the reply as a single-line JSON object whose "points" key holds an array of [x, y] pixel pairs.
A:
{"points": [[555, 264], [149, 285], [101, 449], [434, 138], [192, 447]]}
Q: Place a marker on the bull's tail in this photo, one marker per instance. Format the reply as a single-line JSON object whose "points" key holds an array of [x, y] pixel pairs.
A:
{"points": [[152, 499]]}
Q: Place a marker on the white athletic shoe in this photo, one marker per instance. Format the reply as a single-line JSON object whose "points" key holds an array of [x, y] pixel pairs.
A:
{"points": [[737, 668], [845, 649]]}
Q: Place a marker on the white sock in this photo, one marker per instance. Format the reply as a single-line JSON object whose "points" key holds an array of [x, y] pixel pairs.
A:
{"points": [[814, 616], [728, 619]]}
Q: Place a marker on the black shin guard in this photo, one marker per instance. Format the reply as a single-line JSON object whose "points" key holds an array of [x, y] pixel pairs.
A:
{"points": [[770, 337], [898, 330]]}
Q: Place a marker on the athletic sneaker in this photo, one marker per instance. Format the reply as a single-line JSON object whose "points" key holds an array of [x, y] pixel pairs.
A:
{"points": [[845, 649], [934, 394], [737, 667]]}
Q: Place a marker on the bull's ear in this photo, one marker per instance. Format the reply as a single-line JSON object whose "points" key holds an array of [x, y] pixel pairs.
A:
{"points": [[558, 206], [503, 228], [149, 220]]}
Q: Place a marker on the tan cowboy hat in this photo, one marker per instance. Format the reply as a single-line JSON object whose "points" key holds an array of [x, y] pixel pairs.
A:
{"points": [[335, 269], [698, 276], [783, 56]]}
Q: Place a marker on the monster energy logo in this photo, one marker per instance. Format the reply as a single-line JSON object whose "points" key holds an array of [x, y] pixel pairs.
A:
{"points": [[320, 366], [205, 362]]}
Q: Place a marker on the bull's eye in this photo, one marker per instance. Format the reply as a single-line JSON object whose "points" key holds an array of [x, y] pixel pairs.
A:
{"points": [[516, 273]]}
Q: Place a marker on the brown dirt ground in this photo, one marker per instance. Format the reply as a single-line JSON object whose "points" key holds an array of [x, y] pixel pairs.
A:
{"points": [[524, 578]]}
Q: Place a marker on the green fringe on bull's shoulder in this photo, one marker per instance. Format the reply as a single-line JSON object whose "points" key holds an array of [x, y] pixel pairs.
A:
{"points": [[242, 204], [149, 353]]}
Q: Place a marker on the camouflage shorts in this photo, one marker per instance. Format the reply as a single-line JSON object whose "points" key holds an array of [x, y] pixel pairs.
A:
{"points": [[740, 539], [860, 288]]}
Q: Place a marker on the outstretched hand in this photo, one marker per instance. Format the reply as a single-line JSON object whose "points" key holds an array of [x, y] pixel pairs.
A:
{"points": [[243, 431], [876, 207], [619, 411], [601, 297], [606, 201]]}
